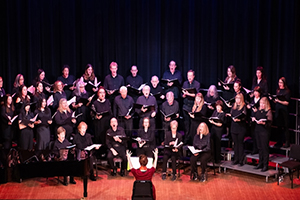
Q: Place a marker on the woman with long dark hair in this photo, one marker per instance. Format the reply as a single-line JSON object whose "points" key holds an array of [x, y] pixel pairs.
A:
{"points": [[26, 125], [42, 125], [217, 129], [260, 80], [89, 76], [281, 113], [7, 115]]}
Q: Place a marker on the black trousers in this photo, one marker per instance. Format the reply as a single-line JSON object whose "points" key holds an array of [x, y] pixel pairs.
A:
{"points": [[127, 124], [174, 156], [262, 138], [121, 154], [216, 136], [203, 157], [238, 139]]}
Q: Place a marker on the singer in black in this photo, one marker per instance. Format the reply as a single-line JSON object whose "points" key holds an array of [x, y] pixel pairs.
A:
{"points": [[7, 114], [113, 82], [62, 143], [171, 149], [59, 94], [43, 122], [39, 92], [81, 106], [210, 99], [217, 130], [283, 97], [67, 80], [197, 116], [134, 80], [147, 100], [252, 108], [101, 114], [116, 144], [260, 80], [189, 98], [238, 128], [146, 142], [63, 117], [171, 74], [201, 142], [89, 77], [2, 91], [263, 119], [83, 140], [169, 107], [123, 110], [26, 125]]}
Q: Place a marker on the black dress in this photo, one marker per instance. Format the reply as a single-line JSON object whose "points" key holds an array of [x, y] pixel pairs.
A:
{"points": [[262, 133], [216, 135], [238, 132], [195, 123], [26, 134], [103, 124], [43, 129], [6, 129], [281, 117], [64, 119]]}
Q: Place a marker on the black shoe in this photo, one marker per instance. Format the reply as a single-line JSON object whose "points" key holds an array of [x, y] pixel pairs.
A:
{"points": [[195, 176], [264, 169], [173, 177], [241, 164], [113, 172], [259, 166], [164, 176], [203, 178], [65, 183], [72, 181], [122, 173], [93, 178]]}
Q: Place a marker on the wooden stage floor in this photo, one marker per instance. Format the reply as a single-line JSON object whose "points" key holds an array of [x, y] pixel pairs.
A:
{"points": [[232, 185]]}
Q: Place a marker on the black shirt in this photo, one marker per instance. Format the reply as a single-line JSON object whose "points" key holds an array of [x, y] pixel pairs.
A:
{"points": [[169, 109], [115, 83], [146, 101], [82, 141], [122, 106], [134, 82], [110, 142], [202, 144]]}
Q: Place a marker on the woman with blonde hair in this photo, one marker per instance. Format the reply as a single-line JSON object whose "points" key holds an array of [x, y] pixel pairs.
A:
{"points": [[263, 119], [59, 93], [238, 128], [63, 117], [199, 110], [201, 142]]}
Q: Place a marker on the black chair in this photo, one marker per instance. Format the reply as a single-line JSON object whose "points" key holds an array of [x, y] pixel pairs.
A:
{"points": [[142, 190], [293, 164]]}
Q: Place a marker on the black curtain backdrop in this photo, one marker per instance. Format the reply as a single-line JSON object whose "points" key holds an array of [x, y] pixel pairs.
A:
{"points": [[204, 35]]}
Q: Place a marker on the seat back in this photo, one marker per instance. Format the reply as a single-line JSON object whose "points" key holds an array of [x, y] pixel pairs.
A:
{"points": [[142, 190], [295, 152]]}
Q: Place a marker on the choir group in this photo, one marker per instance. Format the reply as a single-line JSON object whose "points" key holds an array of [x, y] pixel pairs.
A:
{"points": [[126, 113]]}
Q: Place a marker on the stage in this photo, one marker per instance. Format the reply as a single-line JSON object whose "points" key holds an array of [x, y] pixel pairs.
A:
{"points": [[231, 185]]}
